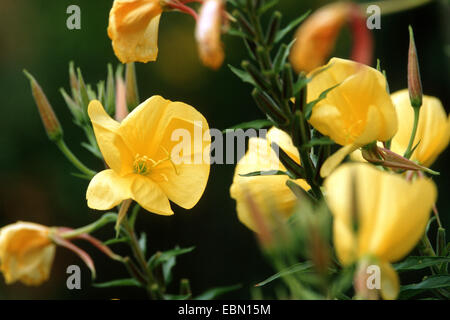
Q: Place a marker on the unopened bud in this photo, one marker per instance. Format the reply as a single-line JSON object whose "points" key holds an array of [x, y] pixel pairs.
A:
{"points": [[49, 119], [414, 80], [208, 32], [131, 86]]}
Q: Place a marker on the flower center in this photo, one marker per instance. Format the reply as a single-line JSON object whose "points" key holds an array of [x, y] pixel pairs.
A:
{"points": [[143, 165]]}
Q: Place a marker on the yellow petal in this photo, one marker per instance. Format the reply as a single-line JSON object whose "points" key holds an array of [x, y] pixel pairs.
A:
{"points": [[112, 147], [335, 160], [391, 212], [133, 29], [150, 196], [185, 176], [107, 189], [345, 114], [284, 141], [433, 130], [390, 283]]}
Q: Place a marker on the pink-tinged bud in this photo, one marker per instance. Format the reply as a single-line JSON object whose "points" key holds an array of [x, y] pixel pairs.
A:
{"points": [[414, 80], [362, 50], [121, 99], [208, 32], [49, 119]]}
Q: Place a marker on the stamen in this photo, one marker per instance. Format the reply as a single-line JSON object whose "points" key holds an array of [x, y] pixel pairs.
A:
{"points": [[143, 165]]}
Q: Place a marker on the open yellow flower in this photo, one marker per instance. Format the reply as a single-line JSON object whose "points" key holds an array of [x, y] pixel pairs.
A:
{"points": [[355, 113], [269, 192], [26, 253], [433, 131], [133, 29], [377, 214], [140, 153]]}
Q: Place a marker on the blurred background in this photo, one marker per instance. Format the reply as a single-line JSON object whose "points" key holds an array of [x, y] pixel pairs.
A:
{"points": [[35, 179]]}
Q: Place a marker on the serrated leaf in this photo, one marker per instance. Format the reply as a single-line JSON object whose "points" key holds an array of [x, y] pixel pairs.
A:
{"points": [[310, 105], [244, 76], [417, 263], [215, 292], [298, 267], [255, 124], [283, 32], [118, 283]]}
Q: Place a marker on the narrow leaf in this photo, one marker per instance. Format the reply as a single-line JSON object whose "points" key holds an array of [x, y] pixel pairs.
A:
{"points": [[417, 263], [283, 32], [215, 292], [255, 124], [118, 283], [298, 267]]}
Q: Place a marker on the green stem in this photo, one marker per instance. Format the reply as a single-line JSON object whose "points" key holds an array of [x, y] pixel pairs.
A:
{"points": [[105, 219], [408, 151], [73, 159]]}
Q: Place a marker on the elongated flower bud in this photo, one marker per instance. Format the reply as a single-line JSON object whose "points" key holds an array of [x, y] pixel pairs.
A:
{"points": [[414, 80], [131, 86], [49, 119], [207, 33]]}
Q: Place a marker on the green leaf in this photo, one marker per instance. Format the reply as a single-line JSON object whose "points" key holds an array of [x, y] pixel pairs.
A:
{"points": [[283, 32], [215, 292], [176, 296], [244, 76], [115, 240], [281, 56], [118, 283], [310, 105], [267, 6], [432, 282], [298, 191], [143, 242], [255, 124], [267, 173], [298, 267], [166, 255], [417, 263], [300, 84], [322, 141], [236, 33]]}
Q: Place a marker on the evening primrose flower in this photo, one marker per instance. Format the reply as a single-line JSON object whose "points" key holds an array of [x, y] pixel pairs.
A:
{"points": [[433, 131], [139, 152], [208, 32], [26, 253], [377, 215], [356, 112], [133, 29], [269, 192]]}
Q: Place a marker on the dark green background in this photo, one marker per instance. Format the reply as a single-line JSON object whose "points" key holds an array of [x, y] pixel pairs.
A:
{"points": [[36, 184]]}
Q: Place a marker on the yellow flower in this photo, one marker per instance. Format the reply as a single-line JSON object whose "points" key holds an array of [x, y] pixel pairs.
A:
{"points": [[26, 253], [316, 37], [433, 131], [269, 192], [355, 113], [133, 29], [140, 150], [389, 212], [208, 31]]}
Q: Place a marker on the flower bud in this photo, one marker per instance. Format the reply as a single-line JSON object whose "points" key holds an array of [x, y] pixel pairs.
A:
{"points": [[207, 33], [49, 119], [414, 80], [131, 86]]}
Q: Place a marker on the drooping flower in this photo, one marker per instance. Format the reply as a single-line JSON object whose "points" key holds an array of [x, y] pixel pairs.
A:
{"points": [[377, 215], [269, 192], [26, 253], [147, 162], [133, 29], [357, 112], [433, 132], [208, 32], [316, 37]]}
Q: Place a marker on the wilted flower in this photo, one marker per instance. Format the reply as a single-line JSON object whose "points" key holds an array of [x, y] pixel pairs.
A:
{"points": [[26, 253], [139, 153], [208, 32], [377, 215], [356, 112], [133, 29], [316, 37], [267, 191], [433, 132]]}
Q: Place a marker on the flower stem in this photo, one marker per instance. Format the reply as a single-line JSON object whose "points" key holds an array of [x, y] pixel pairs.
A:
{"points": [[409, 150], [73, 159], [105, 219]]}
